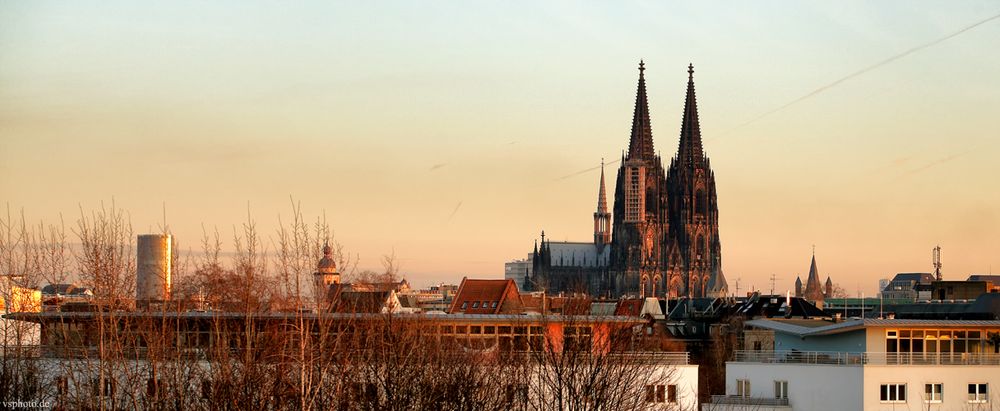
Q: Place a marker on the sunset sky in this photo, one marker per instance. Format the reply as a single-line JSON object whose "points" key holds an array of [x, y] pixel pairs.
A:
{"points": [[443, 131]]}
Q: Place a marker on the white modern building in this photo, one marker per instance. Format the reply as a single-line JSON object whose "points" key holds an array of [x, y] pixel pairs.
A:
{"points": [[867, 364], [516, 270]]}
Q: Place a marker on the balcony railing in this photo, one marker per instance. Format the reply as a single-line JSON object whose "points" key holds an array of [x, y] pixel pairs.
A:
{"points": [[757, 401], [876, 358]]}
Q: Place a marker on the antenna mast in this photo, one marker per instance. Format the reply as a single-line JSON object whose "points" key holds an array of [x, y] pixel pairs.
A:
{"points": [[937, 262]]}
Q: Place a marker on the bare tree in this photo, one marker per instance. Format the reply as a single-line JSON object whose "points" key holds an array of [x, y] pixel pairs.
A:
{"points": [[106, 259]]}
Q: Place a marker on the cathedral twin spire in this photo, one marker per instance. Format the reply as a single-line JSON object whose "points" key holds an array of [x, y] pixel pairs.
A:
{"points": [[640, 144], [690, 152]]}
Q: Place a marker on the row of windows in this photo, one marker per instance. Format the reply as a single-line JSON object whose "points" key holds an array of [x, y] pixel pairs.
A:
{"points": [[933, 393], [661, 393], [475, 304], [780, 389], [935, 341], [888, 393]]}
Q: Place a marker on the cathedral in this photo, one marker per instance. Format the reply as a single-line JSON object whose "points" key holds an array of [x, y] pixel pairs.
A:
{"points": [[662, 240]]}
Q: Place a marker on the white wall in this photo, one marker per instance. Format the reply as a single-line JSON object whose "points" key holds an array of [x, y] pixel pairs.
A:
{"points": [[810, 386], [955, 378]]}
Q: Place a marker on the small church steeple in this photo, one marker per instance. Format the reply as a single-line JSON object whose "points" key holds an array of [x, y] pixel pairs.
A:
{"points": [[602, 218]]}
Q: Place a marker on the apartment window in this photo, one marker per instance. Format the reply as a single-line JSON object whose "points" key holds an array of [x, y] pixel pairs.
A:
{"points": [[661, 393], [62, 385], [151, 386], [933, 392], [743, 388], [781, 390], [107, 389], [516, 393], [895, 393], [206, 389], [465, 305], [978, 393], [475, 304], [494, 305]]}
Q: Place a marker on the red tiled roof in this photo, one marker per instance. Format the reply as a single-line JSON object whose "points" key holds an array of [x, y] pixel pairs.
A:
{"points": [[483, 296]]}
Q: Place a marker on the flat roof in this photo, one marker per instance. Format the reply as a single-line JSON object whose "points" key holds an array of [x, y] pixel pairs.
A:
{"points": [[823, 327]]}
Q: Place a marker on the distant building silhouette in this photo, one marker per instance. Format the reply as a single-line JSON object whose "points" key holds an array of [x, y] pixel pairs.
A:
{"points": [[663, 237]]}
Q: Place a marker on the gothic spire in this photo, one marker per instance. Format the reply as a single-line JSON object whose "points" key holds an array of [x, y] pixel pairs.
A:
{"points": [[602, 196], [814, 289], [640, 144], [690, 151]]}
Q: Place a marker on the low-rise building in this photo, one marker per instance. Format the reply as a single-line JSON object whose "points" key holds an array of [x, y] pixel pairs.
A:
{"points": [[866, 364]]}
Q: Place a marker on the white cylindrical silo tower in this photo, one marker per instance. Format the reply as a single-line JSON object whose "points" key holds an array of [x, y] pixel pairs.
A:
{"points": [[154, 255]]}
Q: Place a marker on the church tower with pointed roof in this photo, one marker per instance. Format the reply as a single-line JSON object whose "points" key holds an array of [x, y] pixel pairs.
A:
{"points": [[694, 256], [639, 214], [602, 218], [662, 238], [814, 288]]}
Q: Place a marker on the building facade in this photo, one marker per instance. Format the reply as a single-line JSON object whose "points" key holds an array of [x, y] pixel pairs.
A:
{"points": [[662, 238], [870, 364]]}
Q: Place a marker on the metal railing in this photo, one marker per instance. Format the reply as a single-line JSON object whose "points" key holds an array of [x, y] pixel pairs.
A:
{"points": [[877, 358], [759, 401]]}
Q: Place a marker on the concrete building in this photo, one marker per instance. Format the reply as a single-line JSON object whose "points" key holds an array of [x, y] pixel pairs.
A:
{"points": [[903, 285], [516, 337], [16, 299], [866, 364], [518, 270], [154, 260]]}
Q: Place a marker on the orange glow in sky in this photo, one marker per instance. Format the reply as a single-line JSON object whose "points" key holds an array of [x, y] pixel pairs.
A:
{"points": [[442, 131]]}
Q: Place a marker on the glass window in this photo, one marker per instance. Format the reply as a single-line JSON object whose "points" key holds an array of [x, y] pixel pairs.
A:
{"points": [[978, 393], [781, 389], [475, 304], [672, 394], [661, 393], [650, 393], [743, 388], [895, 393], [465, 304], [933, 392]]}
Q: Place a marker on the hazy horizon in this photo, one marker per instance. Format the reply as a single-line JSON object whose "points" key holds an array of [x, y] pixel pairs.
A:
{"points": [[452, 133]]}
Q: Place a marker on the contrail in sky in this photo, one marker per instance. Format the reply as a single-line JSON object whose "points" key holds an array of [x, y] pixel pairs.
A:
{"points": [[935, 163], [453, 212], [584, 171], [864, 70]]}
